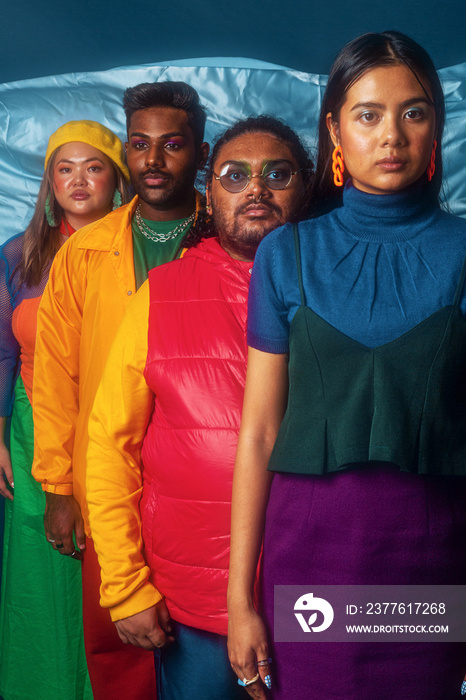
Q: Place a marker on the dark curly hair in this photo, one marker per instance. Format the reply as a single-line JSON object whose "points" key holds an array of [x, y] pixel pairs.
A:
{"points": [[202, 227], [263, 124]]}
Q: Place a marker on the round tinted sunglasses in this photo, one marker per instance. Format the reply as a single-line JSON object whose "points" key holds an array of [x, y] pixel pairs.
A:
{"points": [[235, 177]]}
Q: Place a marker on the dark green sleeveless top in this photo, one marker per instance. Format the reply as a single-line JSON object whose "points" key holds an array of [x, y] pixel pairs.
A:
{"points": [[403, 402]]}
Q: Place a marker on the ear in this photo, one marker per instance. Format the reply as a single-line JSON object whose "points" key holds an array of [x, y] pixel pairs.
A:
{"points": [[208, 198], [333, 129], [126, 146], [203, 155]]}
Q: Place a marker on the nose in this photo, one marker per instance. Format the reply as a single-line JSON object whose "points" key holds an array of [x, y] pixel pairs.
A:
{"points": [[79, 179], [392, 133], [257, 187], [154, 155]]}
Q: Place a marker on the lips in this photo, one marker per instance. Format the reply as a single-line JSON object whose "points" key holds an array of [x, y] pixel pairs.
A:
{"points": [[391, 163], [79, 195], [256, 209], [154, 178]]}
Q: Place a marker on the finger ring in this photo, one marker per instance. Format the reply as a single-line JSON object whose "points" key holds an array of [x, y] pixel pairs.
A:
{"points": [[51, 541], [245, 682], [59, 546], [264, 662]]}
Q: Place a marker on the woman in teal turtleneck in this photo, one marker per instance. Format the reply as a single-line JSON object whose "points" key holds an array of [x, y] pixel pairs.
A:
{"points": [[355, 390]]}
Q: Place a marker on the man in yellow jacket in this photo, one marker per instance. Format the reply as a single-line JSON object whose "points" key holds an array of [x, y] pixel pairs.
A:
{"points": [[91, 281]]}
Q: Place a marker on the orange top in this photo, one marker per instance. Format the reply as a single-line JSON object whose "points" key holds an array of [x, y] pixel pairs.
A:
{"points": [[24, 323]]}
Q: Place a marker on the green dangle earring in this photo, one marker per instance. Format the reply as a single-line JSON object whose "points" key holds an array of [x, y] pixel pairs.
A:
{"points": [[49, 214], [116, 200]]}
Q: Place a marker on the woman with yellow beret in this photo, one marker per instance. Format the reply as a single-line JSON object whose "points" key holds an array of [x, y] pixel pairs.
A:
{"points": [[41, 639]]}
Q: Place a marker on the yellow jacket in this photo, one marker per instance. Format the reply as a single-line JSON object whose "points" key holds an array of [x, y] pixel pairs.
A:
{"points": [[118, 422], [90, 284]]}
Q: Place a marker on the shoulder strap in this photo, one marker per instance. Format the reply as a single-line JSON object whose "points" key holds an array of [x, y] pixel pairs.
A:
{"points": [[459, 289], [297, 249]]}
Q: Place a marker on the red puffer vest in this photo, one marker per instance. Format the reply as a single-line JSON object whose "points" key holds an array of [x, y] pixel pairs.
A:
{"points": [[196, 368]]}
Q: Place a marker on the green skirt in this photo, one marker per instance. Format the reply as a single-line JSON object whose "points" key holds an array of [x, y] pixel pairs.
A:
{"points": [[41, 632]]}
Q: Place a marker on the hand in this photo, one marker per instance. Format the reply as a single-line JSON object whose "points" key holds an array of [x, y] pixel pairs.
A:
{"points": [[149, 629], [6, 472], [62, 518], [247, 645]]}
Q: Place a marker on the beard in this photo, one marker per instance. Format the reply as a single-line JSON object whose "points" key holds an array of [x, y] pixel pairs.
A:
{"points": [[241, 238], [170, 195]]}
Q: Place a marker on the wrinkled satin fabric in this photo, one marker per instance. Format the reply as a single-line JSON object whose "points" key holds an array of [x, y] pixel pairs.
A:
{"points": [[230, 88]]}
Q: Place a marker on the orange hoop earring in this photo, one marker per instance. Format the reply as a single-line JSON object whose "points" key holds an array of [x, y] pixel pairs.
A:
{"points": [[338, 166], [431, 166]]}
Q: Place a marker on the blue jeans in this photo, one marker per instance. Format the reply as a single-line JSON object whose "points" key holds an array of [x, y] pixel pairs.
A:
{"points": [[196, 667]]}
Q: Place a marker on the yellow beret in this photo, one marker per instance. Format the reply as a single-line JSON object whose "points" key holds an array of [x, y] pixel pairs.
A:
{"points": [[92, 133]]}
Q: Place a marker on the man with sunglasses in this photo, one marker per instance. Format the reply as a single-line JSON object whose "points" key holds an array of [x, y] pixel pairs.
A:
{"points": [[166, 417]]}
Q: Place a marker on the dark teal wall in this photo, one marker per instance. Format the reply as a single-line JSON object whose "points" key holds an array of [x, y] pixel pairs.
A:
{"points": [[59, 36]]}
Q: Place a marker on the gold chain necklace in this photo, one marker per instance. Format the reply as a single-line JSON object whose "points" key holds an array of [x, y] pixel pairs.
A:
{"points": [[160, 237]]}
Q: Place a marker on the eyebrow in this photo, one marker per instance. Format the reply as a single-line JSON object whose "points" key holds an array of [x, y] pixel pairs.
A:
{"points": [[170, 135], [264, 162], [88, 160], [379, 105]]}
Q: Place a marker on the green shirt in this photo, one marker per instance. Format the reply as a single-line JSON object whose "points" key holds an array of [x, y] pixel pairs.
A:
{"points": [[148, 254]]}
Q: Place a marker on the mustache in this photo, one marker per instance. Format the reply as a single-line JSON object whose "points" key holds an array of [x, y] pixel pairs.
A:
{"points": [[271, 206], [152, 171]]}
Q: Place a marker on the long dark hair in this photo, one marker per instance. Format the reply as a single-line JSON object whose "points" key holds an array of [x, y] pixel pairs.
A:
{"points": [[263, 124], [42, 241], [355, 58]]}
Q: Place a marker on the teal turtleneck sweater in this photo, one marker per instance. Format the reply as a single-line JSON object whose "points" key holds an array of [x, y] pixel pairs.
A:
{"points": [[373, 269]]}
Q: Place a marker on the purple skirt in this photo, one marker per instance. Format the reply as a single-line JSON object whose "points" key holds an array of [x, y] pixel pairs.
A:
{"points": [[369, 525]]}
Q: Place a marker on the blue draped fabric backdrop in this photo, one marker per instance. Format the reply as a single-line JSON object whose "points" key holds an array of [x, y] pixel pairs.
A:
{"points": [[30, 110]]}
